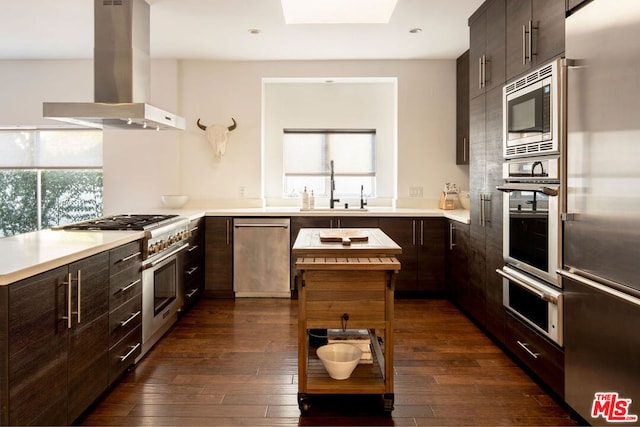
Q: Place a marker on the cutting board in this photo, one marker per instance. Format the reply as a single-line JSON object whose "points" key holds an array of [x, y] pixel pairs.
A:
{"points": [[344, 236]]}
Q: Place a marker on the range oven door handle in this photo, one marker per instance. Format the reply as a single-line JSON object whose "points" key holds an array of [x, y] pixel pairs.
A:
{"points": [[165, 257], [541, 294], [549, 190]]}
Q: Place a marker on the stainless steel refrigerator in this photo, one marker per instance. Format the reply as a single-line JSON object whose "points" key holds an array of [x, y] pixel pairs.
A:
{"points": [[601, 272]]}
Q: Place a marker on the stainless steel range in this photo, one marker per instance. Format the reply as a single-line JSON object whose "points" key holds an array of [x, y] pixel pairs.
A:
{"points": [[165, 237]]}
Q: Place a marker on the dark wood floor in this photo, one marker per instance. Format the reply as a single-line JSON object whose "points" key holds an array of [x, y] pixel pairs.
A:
{"points": [[235, 363]]}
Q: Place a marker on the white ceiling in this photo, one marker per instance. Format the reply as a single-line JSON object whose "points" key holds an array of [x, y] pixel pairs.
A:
{"points": [[218, 29]]}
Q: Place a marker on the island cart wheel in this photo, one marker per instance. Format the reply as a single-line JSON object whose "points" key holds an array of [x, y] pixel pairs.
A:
{"points": [[387, 401], [303, 403]]}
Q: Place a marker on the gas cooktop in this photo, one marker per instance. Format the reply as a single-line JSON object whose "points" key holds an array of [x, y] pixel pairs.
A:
{"points": [[122, 222]]}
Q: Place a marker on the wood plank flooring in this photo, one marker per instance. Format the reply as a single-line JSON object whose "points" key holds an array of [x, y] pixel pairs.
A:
{"points": [[234, 363]]}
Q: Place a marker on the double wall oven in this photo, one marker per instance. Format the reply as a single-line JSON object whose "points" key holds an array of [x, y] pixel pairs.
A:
{"points": [[532, 172], [165, 237]]}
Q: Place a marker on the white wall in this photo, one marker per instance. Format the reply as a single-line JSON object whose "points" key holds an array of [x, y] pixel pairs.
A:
{"points": [[139, 166], [215, 91]]}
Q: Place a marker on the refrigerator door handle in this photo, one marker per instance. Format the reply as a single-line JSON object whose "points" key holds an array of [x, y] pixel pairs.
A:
{"points": [[598, 286]]}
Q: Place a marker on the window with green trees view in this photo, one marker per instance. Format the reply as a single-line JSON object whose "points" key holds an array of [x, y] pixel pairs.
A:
{"points": [[49, 178]]}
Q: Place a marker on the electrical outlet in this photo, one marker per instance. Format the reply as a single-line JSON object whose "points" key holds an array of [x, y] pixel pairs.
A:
{"points": [[415, 191], [241, 190]]}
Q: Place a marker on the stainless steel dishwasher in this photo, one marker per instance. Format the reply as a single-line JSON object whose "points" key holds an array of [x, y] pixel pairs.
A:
{"points": [[261, 257]]}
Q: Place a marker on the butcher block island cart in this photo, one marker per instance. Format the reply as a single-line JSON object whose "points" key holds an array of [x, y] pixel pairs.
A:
{"points": [[347, 282]]}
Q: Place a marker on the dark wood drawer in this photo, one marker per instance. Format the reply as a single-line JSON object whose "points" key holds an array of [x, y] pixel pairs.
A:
{"points": [[125, 319], [543, 358], [124, 285], [124, 354], [125, 256], [331, 294]]}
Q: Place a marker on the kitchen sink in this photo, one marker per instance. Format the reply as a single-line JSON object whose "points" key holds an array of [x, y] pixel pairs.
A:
{"points": [[339, 210]]}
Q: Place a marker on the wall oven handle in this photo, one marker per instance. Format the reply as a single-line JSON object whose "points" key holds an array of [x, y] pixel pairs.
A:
{"points": [[167, 256], [544, 189], [542, 295]]}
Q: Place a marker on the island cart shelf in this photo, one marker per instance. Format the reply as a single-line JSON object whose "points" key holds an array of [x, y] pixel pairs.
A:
{"points": [[346, 287]]}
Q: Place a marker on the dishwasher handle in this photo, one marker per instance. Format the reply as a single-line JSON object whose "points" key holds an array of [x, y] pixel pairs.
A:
{"points": [[262, 225]]}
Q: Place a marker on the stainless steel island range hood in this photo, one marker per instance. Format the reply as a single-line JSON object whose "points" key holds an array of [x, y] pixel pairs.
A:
{"points": [[121, 74]]}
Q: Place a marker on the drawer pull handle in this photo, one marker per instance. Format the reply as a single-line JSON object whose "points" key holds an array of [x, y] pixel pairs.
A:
{"points": [[192, 248], [192, 293], [133, 349], [127, 258], [129, 286], [191, 271], [526, 348], [133, 316]]}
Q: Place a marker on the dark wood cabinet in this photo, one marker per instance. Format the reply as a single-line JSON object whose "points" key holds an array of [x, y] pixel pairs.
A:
{"points": [[462, 109], [487, 48], [535, 34], [485, 231], [88, 357], [125, 308], [193, 266], [457, 264], [422, 259], [56, 341], [543, 358], [34, 375], [219, 257]]}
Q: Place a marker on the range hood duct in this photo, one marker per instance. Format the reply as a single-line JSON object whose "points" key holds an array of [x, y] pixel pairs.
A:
{"points": [[120, 73]]}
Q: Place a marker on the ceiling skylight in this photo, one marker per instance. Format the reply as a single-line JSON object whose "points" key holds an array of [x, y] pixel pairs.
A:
{"points": [[338, 11]]}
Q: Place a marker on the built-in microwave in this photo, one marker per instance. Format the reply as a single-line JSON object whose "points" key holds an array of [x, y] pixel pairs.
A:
{"points": [[533, 113]]}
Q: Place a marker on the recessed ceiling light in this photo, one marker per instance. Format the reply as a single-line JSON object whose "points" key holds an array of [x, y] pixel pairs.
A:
{"points": [[254, 31], [415, 30], [338, 11]]}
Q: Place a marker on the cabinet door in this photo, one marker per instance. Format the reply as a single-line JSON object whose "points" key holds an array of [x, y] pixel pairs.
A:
{"points": [[403, 231], [431, 251], [457, 270], [462, 109], [487, 48], [548, 41], [88, 363], [495, 45], [37, 350], [519, 15], [477, 50], [219, 256], [527, 50], [493, 213]]}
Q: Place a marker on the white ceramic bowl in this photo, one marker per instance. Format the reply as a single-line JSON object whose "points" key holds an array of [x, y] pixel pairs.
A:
{"points": [[174, 201], [339, 359]]}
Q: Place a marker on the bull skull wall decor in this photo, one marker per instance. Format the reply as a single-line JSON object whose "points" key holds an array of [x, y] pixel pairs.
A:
{"points": [[217, 136]]}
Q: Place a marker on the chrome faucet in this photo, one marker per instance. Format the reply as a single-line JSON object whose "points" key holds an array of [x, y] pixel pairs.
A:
{"points": [[333, 187], [363, 202]]}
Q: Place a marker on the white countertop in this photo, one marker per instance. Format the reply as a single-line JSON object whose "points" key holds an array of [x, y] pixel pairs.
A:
{"points": [[28, 254], [460, 215]]}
